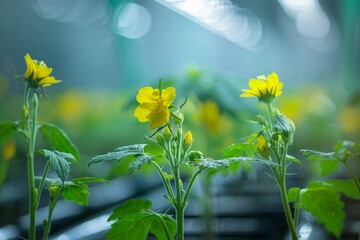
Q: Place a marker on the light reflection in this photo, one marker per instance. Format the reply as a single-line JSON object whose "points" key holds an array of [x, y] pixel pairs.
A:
{"points": [[236, 24], [9, 232], [80, 12], [305, 231], [131, 20]]}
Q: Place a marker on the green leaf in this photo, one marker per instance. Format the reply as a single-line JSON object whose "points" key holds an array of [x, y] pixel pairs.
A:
{"points": [[158, 229], [76, 192], [132, 227], [130, 207], [328, 161], [7, 129], [89, 179], [58, 162], [251, 159], [119, 153], [58, 140], [292, 159], [293, 194], [347, 187], [210, 163], [328, 166], [317, 156], [139, 160], [324, 203], [238, 149]]}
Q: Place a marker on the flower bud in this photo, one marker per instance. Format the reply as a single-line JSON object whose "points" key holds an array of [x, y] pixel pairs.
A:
{"points": [[167, 134], [188, 138], [195, 155], [53, 190], [160, 140], [24, 115], [263, 146], [35, 103]]}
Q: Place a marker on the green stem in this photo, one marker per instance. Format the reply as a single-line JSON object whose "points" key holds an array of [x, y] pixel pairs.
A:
{"points": [[30, 148], [352, 176], [287, 210], [166, 229], [41, 186], [189, 187], [52, 205], [164, 180], [178, 204]]}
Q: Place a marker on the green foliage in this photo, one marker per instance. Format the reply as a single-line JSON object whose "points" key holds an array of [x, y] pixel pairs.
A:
{"points": [[58, 140], [134, 220], [346, 149], [139, 160], [7, 129], [293, 194], [158, 230], [347, 187], [76, 192], [211, 163], [322, 200], [282, 125], [328, 161], [58, 162], [129, 207], [238, 149], [136, 150], [89, 180], [292, 159]]}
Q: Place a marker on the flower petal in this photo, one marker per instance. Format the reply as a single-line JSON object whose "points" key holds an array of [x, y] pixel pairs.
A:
{"points": [[142, 112], [48, 81], [147, 94], [168, 95], [159, 117], [43, 71], [30, 65]]}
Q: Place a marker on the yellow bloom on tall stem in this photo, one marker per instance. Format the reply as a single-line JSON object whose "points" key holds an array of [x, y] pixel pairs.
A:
{"points": [[37, 74], [188, 138], [264, 88], [154, 105]]}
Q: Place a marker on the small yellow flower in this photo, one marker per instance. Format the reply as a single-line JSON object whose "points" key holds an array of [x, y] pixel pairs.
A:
{"points": [[188, 138], [154, 106], [38, 74], [264, 88], [261, 143]]}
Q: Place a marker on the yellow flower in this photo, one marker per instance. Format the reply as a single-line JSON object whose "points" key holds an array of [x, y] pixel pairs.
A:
{"points": [[264, 88], [188, 138], [38, 74], [154, 106], [261, 143]]}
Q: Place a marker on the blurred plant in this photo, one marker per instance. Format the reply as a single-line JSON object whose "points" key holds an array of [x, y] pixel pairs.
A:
{"points": [[134, 219], [7, 154], [271, 143], [322, 198], [37, 76]]}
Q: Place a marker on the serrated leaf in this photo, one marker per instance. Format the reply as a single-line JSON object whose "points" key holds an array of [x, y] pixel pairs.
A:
{"points": [[317, 156], [293, 159], [210, 163], [158, 230], [58, 140], [346, 145], [251, 159], [89, 180], [76, 192], [347, 187], [293, 194], [324, 203], [138, 161], [119, 153], [238, 149], [7, 129], [58, 162], [130, 207], [132, 227]]}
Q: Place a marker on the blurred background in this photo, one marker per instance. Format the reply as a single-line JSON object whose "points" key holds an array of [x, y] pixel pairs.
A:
{"points": [[104, 50]]}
